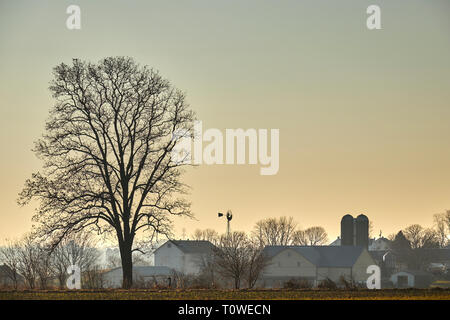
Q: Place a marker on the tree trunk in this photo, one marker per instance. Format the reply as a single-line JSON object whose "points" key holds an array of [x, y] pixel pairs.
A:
{"points": [[127, 265]]}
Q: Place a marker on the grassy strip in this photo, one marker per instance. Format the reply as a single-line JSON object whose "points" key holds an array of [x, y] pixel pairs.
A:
{"points": [[197, 294]]}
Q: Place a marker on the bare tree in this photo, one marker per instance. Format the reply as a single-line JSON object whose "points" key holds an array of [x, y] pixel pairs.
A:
{"points": [[73, 250], [442, 225], [10, 257], [107, 154], [429, 239], [28, 258], [43, 265], [231, 256], [420, 237], [257, 261], [206, 234], [316, 236], [93, 277], [414, 235], [446, 216], [273, 232], [313, 236], [299, 238]]}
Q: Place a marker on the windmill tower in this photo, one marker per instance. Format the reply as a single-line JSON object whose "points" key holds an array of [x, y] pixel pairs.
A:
{"points": [[229, 216]]}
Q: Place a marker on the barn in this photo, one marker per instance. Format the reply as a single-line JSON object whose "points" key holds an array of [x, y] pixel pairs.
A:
{"points": [[315, 264], [185, 256]]}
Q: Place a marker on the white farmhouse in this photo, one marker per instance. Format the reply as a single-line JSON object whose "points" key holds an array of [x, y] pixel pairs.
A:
{"points": [[184, 256], [315, 264]]}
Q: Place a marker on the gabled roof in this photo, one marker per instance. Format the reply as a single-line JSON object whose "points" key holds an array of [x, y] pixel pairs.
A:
{"points": [[336, 242], [192, 246], [322, 256]]}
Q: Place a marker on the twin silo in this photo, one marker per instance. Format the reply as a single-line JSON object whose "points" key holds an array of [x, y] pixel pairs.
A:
{"points": [[355, 231]]}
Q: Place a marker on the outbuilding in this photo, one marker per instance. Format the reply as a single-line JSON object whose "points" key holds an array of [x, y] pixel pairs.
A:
{"points": [[316, 264], [411, 279]]}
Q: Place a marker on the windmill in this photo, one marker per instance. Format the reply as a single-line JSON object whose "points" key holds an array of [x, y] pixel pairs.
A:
{"points": [[229, 216]]}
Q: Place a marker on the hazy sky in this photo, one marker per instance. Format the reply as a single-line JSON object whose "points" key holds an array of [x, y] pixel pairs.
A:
{"points": [[364, 116]]}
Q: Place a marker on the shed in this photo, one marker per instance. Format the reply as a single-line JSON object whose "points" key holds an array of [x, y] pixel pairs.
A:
{"points": [[411, 279]]}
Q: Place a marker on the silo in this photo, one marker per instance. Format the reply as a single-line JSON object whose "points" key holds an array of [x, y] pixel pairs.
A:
{"points": [[362, 231], [347, 230]]}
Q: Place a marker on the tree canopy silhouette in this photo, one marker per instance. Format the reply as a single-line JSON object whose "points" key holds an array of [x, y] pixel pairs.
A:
{"points": [[107, 154]]}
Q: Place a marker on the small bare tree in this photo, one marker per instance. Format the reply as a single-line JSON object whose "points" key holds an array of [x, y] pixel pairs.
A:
{"points": [[10, 257], [257, 261], [28, 258], [299, 238], [73, 250], [231, 256], [420, 237], [93, 277], [43, 265], [313, 236], [414, 235], [442, 225], [316, 236], [274, 232], [206, 235]]}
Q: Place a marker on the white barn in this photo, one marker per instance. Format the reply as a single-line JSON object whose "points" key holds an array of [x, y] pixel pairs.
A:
{"points": [[315, 264], [184, 256]]}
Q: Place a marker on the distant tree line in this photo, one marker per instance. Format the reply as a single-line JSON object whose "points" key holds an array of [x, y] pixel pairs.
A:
{"points": [[33, 264], [435, 237]]}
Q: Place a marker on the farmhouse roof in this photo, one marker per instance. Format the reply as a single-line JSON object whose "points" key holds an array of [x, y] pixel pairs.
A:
{"points": [[192, 246], [322, 256]]}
